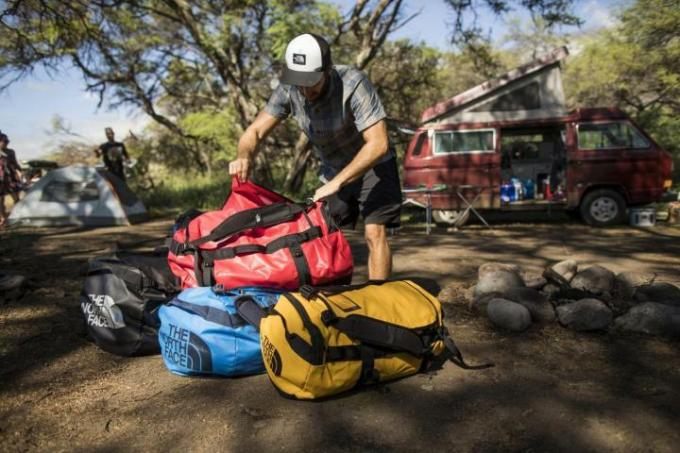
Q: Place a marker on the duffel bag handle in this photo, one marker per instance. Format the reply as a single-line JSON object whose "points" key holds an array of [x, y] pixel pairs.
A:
{"points": [[250, 311], [265, 216]]}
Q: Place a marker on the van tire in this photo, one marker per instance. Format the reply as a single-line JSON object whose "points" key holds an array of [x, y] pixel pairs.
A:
{"points": [[603, 208], [450, 217]]}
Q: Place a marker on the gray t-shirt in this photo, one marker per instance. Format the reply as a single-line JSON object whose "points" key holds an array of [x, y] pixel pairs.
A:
{"points": [[333, 122]]}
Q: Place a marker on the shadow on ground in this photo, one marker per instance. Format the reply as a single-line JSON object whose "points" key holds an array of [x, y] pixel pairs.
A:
{"points": [[552, 389]]}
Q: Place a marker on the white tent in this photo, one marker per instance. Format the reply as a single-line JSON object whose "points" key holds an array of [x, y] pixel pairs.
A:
{"points": [[78, 195]]}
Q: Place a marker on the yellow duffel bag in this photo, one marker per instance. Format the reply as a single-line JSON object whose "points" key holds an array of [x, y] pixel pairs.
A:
{"points": [[322, 341]]}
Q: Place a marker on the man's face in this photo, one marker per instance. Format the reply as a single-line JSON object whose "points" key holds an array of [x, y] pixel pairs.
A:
{"points": [[3, 144], [109, 135], [312, 93]]}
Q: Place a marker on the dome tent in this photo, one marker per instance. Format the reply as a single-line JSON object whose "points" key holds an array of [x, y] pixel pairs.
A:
{"points": [[78, 195]]}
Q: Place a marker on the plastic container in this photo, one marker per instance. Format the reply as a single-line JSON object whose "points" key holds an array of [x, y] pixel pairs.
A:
{"points": [[519, 191], [507, 193], [643, 217], [529, 189]]}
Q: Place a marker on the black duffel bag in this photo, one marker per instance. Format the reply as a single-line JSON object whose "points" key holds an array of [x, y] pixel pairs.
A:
{"points": [[121, 297]]}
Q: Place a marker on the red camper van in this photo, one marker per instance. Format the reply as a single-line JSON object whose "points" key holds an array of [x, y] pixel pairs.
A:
{"points": [[505, 145]]}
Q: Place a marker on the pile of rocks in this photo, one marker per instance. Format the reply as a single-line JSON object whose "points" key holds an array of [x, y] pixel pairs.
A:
{"points": [[592, 298]]}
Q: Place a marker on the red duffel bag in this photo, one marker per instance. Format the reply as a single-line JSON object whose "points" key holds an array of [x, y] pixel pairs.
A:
{"points": [[260, 238]]}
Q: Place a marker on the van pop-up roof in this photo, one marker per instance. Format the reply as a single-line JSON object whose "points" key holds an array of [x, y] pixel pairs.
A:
{"points": [[531, 91]]}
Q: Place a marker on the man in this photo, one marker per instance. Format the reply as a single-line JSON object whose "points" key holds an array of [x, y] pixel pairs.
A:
{"points": [[340, 112], [114, 154], [10, 176]]}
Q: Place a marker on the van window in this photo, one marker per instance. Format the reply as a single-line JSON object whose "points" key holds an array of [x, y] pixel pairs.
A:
{"points": [[419, 144], [614, 135], [460, 142]]}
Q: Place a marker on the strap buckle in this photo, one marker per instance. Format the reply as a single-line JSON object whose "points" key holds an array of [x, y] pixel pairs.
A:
{"points": [[308, 291], [328, 318]]}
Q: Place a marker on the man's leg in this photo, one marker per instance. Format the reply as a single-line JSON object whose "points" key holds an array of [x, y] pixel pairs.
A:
{"points": [[380, 204], [379, 253]]}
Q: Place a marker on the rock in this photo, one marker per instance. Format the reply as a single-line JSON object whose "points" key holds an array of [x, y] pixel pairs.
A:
{"points": [[550, 290], [508, 315], [479, 304], [585, 314], [534, 281], [536, 302], [651, 318], [447, 295], [488, 268], [660, 292], [498, 281], [594, 279], [566, 269], [627, 282], [452, 294], [10, 282]]}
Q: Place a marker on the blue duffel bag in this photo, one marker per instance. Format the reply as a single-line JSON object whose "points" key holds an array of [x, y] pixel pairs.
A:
{"points": [[201, 332]]}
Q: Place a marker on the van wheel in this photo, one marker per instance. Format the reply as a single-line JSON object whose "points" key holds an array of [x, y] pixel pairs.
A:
{"points": [[604, 207], [450, 217]]}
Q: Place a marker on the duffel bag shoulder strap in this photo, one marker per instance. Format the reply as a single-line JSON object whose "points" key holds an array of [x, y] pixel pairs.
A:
{"points": [[134, 278], [374, 332], [209, 313], [252, 218], [250, 311]]}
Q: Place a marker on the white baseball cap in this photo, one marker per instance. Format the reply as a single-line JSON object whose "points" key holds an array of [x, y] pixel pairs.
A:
{"points": [[307, 57]]}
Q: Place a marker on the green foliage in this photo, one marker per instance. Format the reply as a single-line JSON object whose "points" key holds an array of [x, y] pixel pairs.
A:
{"points": [[216, 130], [177, 193], [635, 66], [318, 18]]}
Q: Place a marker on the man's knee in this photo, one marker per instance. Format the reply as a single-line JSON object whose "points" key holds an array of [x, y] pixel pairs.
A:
{"points": [[376, 235]]}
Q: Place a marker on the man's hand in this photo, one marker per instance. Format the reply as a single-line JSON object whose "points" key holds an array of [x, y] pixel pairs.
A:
{"points": [[326, 190], [240, 168]]}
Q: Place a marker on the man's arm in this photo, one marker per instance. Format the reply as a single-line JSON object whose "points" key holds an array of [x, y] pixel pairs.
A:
{"points": [[249, 142], [375, 147], [125, 153]]}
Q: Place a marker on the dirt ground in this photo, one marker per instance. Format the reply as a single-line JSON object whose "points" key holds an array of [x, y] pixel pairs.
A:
{"points": [[551, 390]]}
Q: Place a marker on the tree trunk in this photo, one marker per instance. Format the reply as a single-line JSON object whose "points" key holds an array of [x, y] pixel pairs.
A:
{"points": [[298, 168]]}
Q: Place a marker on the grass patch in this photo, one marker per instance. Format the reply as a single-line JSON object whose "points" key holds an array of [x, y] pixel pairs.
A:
{"points": [[175, 195]]}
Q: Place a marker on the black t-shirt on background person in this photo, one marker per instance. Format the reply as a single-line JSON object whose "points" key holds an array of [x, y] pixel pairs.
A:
{"points": [[114, 153]]}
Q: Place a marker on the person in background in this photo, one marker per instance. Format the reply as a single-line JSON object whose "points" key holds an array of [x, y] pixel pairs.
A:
{"points": [[10, 176], [341, 114], [114, 154]]}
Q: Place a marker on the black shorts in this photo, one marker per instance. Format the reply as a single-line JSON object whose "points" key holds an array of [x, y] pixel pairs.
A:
{"points": [[376, 196]]}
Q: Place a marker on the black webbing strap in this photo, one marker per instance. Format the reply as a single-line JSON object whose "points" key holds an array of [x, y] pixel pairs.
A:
{"points": [[378, 333], [250, 311], [456, 357], [209, 313], [309, 291], [133, 278], [318, 343], [251, 218], [301, 264], [350, 353], [204, 260], [287, 241], [368, 372]]}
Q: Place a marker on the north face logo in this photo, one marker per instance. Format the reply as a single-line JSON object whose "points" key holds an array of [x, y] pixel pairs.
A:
{"points": [[186, 349], [271, 356], [101, 311], [299, 58]]}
